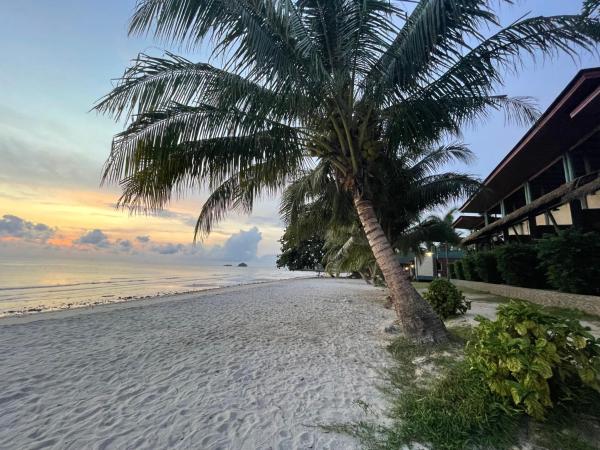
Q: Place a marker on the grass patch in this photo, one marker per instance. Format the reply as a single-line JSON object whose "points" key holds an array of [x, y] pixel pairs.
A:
{"points": [[420, 284], [437, 401], [490, 299]]}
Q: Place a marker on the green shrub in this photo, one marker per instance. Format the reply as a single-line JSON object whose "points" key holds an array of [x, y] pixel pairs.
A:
{"points": [[571, 261], [518, 265], [534, 359], [486, 266], [452, 270], [460, 270], [469, 267], [445, 299], [455, 412]]}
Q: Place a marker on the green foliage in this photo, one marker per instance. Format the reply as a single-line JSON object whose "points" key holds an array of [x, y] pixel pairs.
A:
{"points": [[452, 270], [470, 267], [448, 409], [456, 412], [460, 270], [571, 261], [306, 254], [445, 299], [534, 359], [518, 265], [437, 400], [486, 266]]}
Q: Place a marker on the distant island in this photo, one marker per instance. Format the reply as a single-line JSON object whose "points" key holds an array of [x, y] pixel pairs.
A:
{"points": [[242, 264], [227, 265]]}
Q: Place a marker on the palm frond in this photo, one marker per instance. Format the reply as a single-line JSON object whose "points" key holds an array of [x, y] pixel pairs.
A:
{"points": [[152, 136], [432, 35], [154, 83], [439, 190], [239, 192], [477, 72], [430, 161], [266, 37], [423, 121]]}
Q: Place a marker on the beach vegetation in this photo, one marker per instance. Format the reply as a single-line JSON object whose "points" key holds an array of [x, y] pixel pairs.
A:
{"points": [[460, 271], [535, 359], [452, 270], [351, 85], [440, 396], [305, 253], [568, 261], [486, 266], [314, 201], [571, 261], [518, 264], [445, 299]]}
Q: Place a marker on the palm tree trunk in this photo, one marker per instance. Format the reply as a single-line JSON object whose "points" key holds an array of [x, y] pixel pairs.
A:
{"points": [[417, 319]]}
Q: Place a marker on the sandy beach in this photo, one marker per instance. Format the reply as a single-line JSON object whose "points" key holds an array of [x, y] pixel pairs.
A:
{"points": [[250, 367]]}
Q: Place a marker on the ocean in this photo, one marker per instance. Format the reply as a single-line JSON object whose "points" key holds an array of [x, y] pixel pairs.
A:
{"points": [[35, 285]]}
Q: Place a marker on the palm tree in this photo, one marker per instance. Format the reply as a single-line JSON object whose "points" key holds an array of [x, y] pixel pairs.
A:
{"points": [[408, 186], [342, 81]]}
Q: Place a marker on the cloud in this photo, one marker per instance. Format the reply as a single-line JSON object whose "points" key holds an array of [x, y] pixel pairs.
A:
{"points": [[168, 249], [124, 244], [95, 238], [16, 227], [239, 246]]}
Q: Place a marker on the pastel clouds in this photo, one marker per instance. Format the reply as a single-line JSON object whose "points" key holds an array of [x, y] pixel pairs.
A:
{"points": [[18, 228], [239, 246], [95, 238]]}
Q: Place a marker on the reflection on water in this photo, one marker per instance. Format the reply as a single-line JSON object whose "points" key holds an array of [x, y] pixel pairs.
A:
{"points": [[32, 285]]}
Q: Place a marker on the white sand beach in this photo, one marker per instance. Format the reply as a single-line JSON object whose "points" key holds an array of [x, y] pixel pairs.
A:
{"points": [[249, 367]]}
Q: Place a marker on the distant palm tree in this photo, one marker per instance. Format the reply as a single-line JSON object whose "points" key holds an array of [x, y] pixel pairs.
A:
{"points": [[342, 81]]}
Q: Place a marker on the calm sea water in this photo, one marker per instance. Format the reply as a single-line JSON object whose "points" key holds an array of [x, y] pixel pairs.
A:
{"points": [[36, 284]]}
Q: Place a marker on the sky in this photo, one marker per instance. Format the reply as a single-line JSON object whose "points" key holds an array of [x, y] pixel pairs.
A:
{"points": [[59, 57]]}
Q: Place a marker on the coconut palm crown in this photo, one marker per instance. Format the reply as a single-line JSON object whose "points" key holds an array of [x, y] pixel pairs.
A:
{"points": [[342, 81], [406, 189]]}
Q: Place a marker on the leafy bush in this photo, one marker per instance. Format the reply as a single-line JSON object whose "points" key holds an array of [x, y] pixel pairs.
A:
{"points": [[445, 299], [534, 359], [469, 267], [452, 270], [517, 264], [486, 266], [460, 270], [571, 261]]}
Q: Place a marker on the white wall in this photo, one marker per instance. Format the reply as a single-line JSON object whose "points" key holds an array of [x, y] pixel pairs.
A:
{"points": [[425, 267]]}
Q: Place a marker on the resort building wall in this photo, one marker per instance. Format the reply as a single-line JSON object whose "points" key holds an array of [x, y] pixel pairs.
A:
{"points": [[550, 180]]}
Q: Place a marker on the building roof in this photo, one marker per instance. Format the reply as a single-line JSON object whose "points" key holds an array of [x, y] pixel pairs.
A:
{"points": [[572, 116], [467, 222]]}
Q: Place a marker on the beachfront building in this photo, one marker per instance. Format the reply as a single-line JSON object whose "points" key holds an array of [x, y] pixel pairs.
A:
{"points": [[432, 263], [550, 180]]}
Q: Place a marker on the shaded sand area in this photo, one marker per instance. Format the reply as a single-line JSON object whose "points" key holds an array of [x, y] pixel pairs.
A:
{"points": [[250, 367]]}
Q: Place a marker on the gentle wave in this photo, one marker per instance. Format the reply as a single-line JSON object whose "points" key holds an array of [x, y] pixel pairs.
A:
{"points": [[34, 287], [49, 286]]}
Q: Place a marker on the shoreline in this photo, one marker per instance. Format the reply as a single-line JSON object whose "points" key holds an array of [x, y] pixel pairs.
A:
{"points": [[249, 366], [27, 316]]}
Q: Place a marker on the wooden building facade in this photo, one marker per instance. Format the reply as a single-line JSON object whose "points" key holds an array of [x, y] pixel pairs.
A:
{"points": [[550, 180]]}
